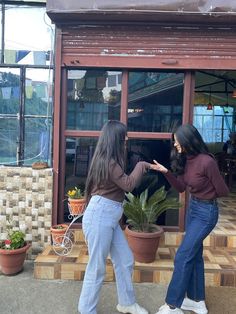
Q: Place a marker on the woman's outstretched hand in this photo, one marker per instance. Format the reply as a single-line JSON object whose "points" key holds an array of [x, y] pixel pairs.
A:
{"points": [[158, 167]]}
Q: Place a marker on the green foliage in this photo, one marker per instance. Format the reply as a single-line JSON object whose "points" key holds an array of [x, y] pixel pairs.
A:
{"points": [[142, 212], [15, 239]]}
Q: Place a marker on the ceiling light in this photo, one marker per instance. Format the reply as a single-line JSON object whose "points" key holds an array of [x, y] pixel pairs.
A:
{"points": [[234, 93], [209, 106]]}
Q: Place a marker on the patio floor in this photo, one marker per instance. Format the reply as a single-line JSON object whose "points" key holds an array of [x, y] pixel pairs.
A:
{"points": [[219, 255]]}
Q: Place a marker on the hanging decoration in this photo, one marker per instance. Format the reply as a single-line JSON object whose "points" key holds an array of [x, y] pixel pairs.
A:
{"points": [[209, 105]]}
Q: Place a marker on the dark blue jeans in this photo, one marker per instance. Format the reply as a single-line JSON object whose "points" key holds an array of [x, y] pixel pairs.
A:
{"points": [[188, 276]]}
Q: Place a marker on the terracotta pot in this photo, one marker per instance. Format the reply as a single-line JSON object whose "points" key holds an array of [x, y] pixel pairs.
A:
{"points": [[39, 165], [12, 261], [76, 206], [144, 244], [58, 234]]}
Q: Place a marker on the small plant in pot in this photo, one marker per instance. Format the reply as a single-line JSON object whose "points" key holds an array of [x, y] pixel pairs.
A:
{"points": [[58, 232], [76, 201], [13, 251], [142, 233]]}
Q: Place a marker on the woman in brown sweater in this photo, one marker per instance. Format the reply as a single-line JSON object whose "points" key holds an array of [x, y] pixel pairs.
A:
{"points": [[194, 170], [105, 191]]}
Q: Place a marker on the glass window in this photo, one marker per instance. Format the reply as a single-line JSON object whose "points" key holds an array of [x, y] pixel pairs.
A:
{"points": [[9, 139], [26, 93], [1, 35], [155, 101], [214, 126], [37, 140], [9, 115], [10, 91], [25, 44], [79, 153], [214, 106], [29, 0], [93, 97], [147, 150], [38, 92]]}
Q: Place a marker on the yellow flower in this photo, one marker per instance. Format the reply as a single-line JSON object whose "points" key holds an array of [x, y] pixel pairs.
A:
{"points": [[75, 193]]}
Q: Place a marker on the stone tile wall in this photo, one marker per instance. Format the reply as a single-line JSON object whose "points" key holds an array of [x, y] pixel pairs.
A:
{"points": [[26, 199]]}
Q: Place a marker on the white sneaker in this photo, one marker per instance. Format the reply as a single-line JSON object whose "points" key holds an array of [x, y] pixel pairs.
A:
{"points": [[196, 307], [132, 309], [165, 309]]}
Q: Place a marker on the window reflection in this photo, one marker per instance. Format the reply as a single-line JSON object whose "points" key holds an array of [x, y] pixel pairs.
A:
{"points": [[38, 92], [93, 97], [147, 150], [10, 91], [9, 137], [155, 101], [37, 140], [79, 153]]}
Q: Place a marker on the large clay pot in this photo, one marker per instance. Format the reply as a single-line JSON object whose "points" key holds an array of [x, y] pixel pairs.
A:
{"points": [[12, 261], [76, 206], [144, 244], [58, 233]]}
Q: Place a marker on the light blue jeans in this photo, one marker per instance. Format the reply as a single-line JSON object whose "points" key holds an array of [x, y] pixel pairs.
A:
{"points": [[104, 236], [188, 275]]}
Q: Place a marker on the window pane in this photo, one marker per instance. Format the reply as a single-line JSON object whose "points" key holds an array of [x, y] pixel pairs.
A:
{"points": [[93, 97], [37, 140], [29, 0], [38, 92], [148, 150], [216, 125], [79, 153], [0, 36], [9, 137], [33, 33], [155, 101], [10, 90]]}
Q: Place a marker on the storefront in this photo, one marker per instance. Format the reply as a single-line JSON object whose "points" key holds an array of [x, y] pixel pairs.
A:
{"points": [[146, 65]]}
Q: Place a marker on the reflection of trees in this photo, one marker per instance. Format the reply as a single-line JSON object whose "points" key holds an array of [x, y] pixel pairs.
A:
{"points": [[10, 105], [9, 79], [9, 120], [95, 81], [114, 97]]}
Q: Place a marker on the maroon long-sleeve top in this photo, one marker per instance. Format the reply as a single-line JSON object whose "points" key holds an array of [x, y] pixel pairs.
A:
{"points": [[201, 177]]}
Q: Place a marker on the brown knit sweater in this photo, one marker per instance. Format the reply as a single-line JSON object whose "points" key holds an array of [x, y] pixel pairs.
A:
{"points": [[119, 182]]}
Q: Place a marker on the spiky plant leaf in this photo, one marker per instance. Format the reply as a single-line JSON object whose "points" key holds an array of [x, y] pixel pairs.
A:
{"points": [[141, 211]]}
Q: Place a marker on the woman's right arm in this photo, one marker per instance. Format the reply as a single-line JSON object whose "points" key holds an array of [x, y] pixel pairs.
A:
{"points": [[177, 182], [128, 182]]}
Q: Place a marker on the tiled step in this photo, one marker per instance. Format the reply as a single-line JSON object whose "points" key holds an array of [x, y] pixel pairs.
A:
{"points": [[217, 239], [220, 263]]}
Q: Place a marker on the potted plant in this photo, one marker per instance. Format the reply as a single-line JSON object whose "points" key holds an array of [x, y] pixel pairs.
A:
{"points": [[13, 251], [39, 165], [76, 201], [58, 232], [142, 233]]}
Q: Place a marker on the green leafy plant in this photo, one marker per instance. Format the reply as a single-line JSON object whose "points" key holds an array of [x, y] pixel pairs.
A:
{"points": [[59, 227], [75, 193], [142, 211], [15, 239]]}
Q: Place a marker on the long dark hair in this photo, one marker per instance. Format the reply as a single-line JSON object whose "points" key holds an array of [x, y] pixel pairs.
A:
{"points": [[191, 143], [110, 146]]}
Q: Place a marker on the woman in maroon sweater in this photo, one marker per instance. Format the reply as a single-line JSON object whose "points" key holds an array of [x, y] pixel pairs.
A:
{"points": [[105, 190], [195, 170]]}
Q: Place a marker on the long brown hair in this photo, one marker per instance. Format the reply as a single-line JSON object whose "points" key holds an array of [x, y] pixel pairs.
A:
{"points": [[110, 146], [191, 142]]}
